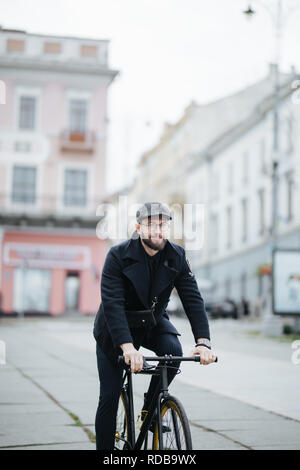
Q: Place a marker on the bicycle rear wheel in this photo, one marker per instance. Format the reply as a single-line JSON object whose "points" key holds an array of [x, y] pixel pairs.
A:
{"points": [[122, 423], [176, 430]]}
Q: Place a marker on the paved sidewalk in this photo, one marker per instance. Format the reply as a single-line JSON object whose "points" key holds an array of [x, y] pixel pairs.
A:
{"points": [[49, 389], [252, 368]]}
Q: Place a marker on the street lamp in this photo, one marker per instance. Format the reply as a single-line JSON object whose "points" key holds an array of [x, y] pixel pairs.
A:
{"points": [[278, 17], [249, 12]]}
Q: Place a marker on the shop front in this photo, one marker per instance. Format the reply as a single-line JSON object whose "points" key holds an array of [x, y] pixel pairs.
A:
{"points": [[50, 274]]}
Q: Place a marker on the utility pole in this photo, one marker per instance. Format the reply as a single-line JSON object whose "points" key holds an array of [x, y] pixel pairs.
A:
{"points": [[272, 323]]}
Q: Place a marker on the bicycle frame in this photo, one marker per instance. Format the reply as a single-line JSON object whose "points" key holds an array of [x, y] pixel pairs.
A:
{"points": [[155, 404]]}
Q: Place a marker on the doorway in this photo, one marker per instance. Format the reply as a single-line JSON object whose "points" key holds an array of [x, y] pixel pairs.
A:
{"points": [[72, 292]]}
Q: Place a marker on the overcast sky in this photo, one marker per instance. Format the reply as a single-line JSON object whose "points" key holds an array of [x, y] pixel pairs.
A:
{"points": [[168, 52]]}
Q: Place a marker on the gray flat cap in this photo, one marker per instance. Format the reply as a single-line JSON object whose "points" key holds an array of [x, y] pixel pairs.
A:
{"points": [[150, 209]]}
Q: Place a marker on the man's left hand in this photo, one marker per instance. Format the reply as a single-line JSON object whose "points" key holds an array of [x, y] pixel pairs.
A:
{"points": [[206, 355]]}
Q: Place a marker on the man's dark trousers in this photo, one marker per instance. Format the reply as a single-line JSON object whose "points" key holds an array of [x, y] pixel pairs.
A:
{"points": [[110, 376]]}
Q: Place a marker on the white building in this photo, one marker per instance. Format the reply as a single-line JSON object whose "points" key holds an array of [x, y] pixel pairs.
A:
{"points": [[231, 176], [219, 156]]}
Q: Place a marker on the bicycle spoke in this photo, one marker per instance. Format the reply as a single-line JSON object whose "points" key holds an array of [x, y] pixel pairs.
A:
{"points": [[175, 423], [174, 439], [121, 434], [175, 427]]}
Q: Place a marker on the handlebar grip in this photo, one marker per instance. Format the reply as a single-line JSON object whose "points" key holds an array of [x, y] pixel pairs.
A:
{"points": [[197, 358]]}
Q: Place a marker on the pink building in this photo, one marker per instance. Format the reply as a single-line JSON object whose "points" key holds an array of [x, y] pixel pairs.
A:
{"points": [[53, 133]]}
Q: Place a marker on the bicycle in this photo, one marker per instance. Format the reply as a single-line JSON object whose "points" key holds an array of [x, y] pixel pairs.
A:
{"points": [[170, 426]]}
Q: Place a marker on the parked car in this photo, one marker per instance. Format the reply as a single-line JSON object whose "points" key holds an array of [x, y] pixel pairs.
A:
{"points": [[174, 306], [223, 309]]}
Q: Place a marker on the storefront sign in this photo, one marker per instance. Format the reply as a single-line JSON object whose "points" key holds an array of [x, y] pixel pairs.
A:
{"points": [[47, 256]]}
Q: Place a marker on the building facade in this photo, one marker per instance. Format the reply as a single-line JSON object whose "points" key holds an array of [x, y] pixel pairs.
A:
{"points": [[232, 178], [218, 157], [53, 132]]}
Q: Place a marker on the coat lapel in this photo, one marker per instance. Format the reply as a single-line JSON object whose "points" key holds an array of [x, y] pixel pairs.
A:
{"points": [[138, 272]]}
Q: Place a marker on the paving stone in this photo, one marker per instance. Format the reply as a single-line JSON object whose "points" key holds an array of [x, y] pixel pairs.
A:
{"points": [[51, 367]]}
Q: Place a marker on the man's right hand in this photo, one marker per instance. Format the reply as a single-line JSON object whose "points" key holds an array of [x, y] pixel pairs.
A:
{"points": [[132, 357]]}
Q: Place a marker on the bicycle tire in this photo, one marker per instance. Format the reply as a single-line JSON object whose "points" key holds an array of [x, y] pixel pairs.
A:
{"points": [[123, 425], [173, 417]]}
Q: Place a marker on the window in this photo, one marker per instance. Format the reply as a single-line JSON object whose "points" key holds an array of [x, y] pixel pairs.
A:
{"points": [[24, 185], [213, 234], [262, 156], [228, 287], [290, 190], [75, 187], [215, 187], [229, 227], [27, 112], [261, 202], [244, 219], [78, 116], [52, 48], [89, 51], [21, 146], [32, 288], [2, 92], [230, 177], [290, 134], [15, 45], [259, 286], [245, 167], [244, 285]]}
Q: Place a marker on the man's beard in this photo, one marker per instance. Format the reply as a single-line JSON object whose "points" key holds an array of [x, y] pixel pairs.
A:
{"points": [[154, 245]]}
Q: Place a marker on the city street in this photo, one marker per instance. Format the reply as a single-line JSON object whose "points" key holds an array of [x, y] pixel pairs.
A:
{"points": [[147, 147], [49, 387]]}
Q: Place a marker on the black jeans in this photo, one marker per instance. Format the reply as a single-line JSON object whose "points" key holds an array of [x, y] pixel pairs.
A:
{"points": [[110, 377]]}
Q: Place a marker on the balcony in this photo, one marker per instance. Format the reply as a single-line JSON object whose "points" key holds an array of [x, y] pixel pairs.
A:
{"points": [[48, 211], [76, 141]]}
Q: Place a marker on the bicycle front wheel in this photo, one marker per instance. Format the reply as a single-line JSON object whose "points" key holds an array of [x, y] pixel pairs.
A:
{"points": [[176, 433], [122, 423]]}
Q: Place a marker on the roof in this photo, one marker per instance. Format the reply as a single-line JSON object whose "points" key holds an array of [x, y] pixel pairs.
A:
{"points": [[21, 31], [224, 117], [169, 130]]}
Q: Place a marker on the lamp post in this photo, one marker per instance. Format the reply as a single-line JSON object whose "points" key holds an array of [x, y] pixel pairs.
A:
{"points": [[272, 324], [277, 22]]}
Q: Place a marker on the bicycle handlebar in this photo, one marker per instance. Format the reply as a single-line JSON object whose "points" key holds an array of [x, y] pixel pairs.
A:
{"points": [[168, 358]]}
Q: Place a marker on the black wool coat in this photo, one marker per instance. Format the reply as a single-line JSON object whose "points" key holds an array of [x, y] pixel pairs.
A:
{"points": [[125, 285]]}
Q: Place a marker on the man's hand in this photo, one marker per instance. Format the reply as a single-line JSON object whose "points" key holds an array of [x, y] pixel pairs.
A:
{"points": [[132, 357], [206, 355]]}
